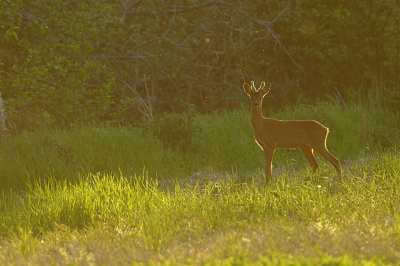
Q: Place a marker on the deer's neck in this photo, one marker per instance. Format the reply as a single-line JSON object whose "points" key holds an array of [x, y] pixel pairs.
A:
{"points": [[256, 118]]}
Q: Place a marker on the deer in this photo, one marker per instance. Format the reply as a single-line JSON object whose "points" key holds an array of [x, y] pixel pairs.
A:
{"points": [[270, 134]]}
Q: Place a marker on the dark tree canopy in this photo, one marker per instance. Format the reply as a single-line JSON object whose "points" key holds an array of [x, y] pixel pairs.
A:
{"points": [[74, 62]]}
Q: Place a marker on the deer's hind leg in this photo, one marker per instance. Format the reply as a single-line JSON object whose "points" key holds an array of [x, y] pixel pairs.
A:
{"points": [[308, 153], [323, 151]]}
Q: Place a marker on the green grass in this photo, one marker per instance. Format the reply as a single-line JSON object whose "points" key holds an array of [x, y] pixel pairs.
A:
{"points": [[223, 142], [121, 195], [114, 220]]}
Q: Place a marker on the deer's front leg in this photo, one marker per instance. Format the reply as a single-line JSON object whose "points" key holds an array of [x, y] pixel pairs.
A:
{"points": [[269, 153]]}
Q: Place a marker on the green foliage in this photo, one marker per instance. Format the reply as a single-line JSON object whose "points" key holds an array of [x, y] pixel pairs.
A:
{"points": [[44, 99], [345, 44], [69, 63], [55, 82], [176, 131]]}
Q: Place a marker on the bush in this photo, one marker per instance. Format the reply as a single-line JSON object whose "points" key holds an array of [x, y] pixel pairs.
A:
{"points": [[176, 131]]}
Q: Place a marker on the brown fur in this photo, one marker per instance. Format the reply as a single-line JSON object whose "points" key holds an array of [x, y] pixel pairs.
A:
{"points": [[270, 134]]}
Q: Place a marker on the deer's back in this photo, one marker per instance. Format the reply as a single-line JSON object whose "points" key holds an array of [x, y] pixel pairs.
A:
{"points": [[292, 133]]}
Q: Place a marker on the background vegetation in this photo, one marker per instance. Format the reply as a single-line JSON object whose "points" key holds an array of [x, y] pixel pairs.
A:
{"points": [[64, 63]]}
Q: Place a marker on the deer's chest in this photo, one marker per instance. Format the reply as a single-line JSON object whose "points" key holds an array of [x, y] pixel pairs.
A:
{"points": [[263, 139]]}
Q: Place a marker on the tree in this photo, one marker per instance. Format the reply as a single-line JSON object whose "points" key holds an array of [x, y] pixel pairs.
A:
{"points": [[70, 62]]}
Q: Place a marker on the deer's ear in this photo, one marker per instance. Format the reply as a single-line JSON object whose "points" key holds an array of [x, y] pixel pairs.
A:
{"points": [[247, 88], [266, 89]]}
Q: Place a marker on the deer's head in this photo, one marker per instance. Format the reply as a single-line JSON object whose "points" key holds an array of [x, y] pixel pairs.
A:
{"points": [[256, 95]]}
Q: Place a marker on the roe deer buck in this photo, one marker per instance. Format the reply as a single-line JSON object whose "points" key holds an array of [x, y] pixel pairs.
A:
{"points": [[308, 135]]}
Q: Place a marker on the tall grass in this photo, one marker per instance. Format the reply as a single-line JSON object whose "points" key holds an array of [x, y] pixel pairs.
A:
{"points": [[64, 155], [222, 141]]}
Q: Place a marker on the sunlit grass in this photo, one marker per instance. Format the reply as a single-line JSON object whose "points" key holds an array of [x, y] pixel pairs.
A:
{"points": [[116, 195], [115, 219]]}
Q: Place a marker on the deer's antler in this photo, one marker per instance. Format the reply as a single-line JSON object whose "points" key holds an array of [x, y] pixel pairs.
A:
{"points": [[252, 86], [261, 86]]}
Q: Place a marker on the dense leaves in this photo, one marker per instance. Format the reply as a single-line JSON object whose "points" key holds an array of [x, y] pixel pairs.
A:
{"points": [[71, 62]]}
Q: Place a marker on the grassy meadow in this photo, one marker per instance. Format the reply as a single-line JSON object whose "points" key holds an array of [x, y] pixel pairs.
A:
{"points": [[189, 189]]}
